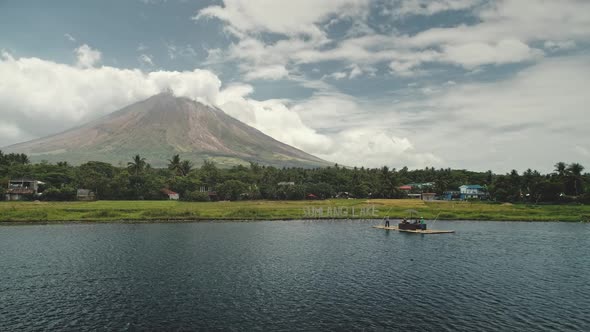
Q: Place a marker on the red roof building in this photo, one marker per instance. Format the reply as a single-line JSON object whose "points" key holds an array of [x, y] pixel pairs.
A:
{"points": [[171, 194]]}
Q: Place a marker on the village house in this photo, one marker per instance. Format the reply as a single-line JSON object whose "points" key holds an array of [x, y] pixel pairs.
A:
{"points": [[428, 196], [210, 192], [452, 195], [469, 191], [416, 190], [85, 195], [19, 189], [171, 194]]}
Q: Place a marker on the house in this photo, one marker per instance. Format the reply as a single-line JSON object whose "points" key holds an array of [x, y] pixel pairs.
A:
{"points": [[451, 195], [19, 189], [210, 192], [428, 196], [171, 194], [311, 196], [416, 187], [421, 186], [85, 195], [344, 194], [417, 190], [468, 191]]}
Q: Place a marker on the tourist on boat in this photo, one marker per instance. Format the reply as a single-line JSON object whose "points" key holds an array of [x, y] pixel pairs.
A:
{"points": [[405, 221], [422, 224], [387, 221]]}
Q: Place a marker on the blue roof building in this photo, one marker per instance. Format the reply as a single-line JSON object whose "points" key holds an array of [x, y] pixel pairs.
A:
{"points": [[472, 191]]}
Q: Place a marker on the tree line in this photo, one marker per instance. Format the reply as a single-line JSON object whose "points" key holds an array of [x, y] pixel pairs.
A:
{"points": [[567, 183]]}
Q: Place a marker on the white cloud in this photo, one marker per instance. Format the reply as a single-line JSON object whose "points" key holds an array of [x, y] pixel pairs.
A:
{"points": [[87, 57], [273, 72], [427, 7], [504, 34], [471, 55], [585, 152], [375, 148], [355, 71], [405, 68], [281, 16], [349, 142], [146, 59], [9, 132], [69, 37], [273, 117], [559, 45], [526, 21], [175, 51], [534, 118], [338, 75], [42, 97]]}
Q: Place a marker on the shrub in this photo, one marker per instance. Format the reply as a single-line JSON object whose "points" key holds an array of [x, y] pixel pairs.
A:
{"points": [[196, 196], [584, 199], [66, 193]]}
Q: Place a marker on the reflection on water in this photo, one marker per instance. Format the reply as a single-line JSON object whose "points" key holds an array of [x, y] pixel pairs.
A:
{"points": [[307, 275]]}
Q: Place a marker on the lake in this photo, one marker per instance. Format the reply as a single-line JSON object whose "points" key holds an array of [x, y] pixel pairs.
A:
{"points": [[295, 275]]}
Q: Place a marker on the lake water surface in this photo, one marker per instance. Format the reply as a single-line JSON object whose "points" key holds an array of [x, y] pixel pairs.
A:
{"points": [[295, 275]]}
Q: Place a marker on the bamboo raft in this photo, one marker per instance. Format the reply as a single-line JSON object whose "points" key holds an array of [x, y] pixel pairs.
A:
{"points": [[417, 231]]}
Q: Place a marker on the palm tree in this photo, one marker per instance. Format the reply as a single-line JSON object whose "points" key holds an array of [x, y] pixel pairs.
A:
{"points": [[137, 165], [185, 167], [560, 168], [22, 159], [574, 170], [174, 164]]}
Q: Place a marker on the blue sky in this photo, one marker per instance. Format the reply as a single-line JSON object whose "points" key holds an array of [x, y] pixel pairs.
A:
{"points": [[451, 83]]}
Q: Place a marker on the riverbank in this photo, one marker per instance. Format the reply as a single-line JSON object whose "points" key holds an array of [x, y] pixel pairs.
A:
{"points": [[274, 210]]}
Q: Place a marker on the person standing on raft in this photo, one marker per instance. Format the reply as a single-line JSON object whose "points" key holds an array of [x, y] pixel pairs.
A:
{"points": [[422, 224], [387, 221]]}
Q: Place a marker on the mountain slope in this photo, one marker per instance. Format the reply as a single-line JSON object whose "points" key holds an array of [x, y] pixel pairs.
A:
{"points": [[161, 126]]}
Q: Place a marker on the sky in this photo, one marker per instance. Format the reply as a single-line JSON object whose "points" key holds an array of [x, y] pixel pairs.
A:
{"points": [[466, 84]]}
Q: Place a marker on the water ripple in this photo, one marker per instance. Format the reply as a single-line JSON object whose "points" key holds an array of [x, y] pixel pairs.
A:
{"points": [[284, 276]]}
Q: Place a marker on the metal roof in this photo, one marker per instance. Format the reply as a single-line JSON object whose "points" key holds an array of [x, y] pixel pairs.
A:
{"points": [[471, 186]]}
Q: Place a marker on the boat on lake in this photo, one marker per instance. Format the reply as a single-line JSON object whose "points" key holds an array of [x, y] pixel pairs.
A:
{"points": [[417, 226]]}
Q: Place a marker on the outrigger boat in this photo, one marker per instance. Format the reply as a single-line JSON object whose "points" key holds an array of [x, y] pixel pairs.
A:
{"points": [[418, 227]]}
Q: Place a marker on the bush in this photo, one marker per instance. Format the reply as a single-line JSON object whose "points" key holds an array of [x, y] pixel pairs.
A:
{"points": [[66, 193], [196, 196], [584, 199], [231, 190]]}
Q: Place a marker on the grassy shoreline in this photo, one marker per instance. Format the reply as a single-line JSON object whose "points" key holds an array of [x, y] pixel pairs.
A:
{"points": [[171, 211]]}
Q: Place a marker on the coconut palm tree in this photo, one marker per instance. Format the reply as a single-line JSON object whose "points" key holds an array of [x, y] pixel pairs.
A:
{"points": [[560, 168], [22, 159], [174, 164], [574, 171], [136, 165], [185, 167]]}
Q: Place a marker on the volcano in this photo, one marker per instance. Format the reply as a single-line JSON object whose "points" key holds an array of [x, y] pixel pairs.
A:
{"points": [[162, 126]]}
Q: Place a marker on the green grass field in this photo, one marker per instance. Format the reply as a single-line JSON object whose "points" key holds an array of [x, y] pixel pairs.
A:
{"points": [[267, 210]]}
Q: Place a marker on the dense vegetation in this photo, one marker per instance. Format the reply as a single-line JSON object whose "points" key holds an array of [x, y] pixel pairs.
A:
{"points": [[139, 181]]}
